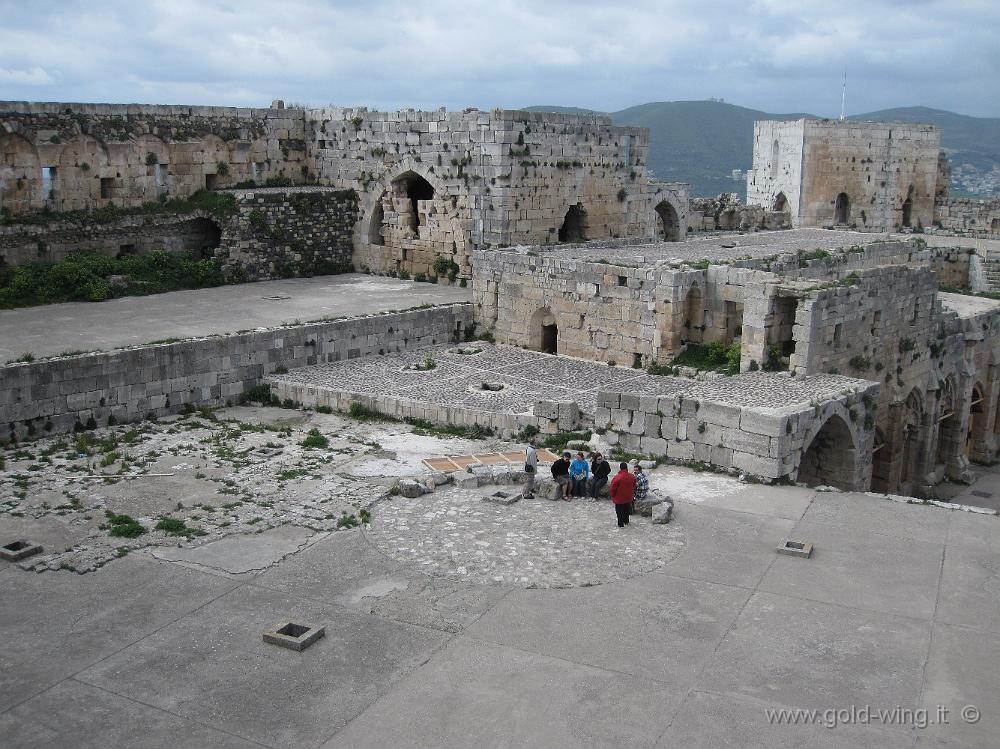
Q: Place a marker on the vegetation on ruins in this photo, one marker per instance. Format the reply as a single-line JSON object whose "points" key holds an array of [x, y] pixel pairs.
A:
{"points": [[715, 356], [219, 204], [91, 277]]}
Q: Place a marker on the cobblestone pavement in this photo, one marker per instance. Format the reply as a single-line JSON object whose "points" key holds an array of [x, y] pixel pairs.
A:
{"points": [[531, 376], [457, 378], [716, 247], [534, 543]]}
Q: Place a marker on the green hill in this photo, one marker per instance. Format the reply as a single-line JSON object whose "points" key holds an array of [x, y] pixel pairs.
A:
{"points": [[701, 142]]}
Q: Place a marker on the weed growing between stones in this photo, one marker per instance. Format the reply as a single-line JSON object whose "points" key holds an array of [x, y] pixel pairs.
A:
{"points": [[123, 526], [714, 356], [315, 440]]}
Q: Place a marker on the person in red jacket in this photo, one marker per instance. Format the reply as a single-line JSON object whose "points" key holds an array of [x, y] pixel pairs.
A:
{"points": [[622, 490]]}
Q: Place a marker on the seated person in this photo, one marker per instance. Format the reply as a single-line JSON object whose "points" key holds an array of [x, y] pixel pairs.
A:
{"points": [[600, 469], [560, 473], [579, 473]]}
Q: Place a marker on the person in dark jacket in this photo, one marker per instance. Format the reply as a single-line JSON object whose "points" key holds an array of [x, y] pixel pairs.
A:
{"points": [[622, 492], [560, 473], [600, 470]]}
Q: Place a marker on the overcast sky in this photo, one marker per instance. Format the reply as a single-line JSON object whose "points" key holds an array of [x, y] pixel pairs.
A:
{"points": [[775, 55]]}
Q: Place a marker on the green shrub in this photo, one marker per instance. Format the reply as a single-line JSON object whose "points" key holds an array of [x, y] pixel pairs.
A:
{"points": [[713, 356], [315, 439], [123, 526]]}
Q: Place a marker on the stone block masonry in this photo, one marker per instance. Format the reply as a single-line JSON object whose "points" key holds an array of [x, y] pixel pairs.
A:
{"points": [[54, 396]]}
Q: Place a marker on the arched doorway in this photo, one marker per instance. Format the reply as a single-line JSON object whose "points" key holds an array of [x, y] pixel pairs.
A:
{"points": [[880, 463], [375, 235], [829, 459], [694, 316], [544, 332], [780, 203], [414, 190], [574, 226], [842, 210], [949, 425], [203, 238], [907, 212], [668, 226], [977, 422], [913, 415]]}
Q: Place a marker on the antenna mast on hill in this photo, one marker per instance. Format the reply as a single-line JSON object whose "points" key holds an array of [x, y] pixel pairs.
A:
{"points": [[843, 96]]}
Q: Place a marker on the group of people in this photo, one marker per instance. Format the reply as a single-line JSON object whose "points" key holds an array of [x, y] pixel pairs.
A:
{"points": [[575, 477]]}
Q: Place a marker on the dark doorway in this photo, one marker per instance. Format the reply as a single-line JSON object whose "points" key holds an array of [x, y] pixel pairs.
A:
{"points": [[907, 211], [780, 203], [842, 212], [573, 227], [667, 222], [375, 235], [550, 339], [211, 181]]}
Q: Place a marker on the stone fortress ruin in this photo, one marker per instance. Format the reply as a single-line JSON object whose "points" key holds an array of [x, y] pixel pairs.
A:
{"points": [[850, 364]]}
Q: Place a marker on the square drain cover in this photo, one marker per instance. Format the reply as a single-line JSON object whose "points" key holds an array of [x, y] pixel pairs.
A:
{"points": [[20, 549], [294, 635], [795, 548], [502, 498]]}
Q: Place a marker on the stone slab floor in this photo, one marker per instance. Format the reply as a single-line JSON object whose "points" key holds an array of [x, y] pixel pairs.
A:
{"points": [[897, 608], [81, 326]]}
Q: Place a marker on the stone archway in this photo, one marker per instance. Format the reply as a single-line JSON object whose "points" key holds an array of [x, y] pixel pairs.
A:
{"points": [[975, 439], [842, 210], [829, 459], [780, 203], [411, 193], [375, 223], [881, 463], [911, 461], [574, 225], [668, 225], [949, 441], [543, 332]]}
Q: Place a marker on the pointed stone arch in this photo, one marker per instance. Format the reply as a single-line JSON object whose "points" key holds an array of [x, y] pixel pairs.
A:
{"points": [[543, 333], [975, 446], [842, 210], [668, 223], [694, 315], [780, 204], [906, 218], [911, 440], [829, 459]]}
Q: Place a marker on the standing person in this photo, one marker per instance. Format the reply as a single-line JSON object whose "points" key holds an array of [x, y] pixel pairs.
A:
{"points": [[560, 473], [530, 469], [641, 487], [579, 473], [622, 491], [600, 470]]}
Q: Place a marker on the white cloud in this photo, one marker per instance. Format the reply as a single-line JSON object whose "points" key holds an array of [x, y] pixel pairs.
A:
{"points": [[772, 54]]}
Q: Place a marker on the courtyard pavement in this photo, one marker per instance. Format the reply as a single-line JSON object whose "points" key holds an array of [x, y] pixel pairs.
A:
{"points": [[896, 610], [130, 321]]}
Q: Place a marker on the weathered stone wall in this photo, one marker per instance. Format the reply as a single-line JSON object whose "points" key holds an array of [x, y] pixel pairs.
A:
{"points": [[288, 232], [887, 172], [767, 443], [979, 218], [725, 212], [51, 396], [437, 184], [131, 154], [199, 231]]}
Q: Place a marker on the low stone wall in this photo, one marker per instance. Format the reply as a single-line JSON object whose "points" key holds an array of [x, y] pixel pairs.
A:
{"points": [[980, 218], [57, 395]]}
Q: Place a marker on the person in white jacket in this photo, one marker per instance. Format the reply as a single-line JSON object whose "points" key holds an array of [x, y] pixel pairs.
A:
{"points": [[530, 469]]}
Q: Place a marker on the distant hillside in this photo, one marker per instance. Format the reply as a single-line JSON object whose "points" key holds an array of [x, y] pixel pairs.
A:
{"points": [[701, 142]]}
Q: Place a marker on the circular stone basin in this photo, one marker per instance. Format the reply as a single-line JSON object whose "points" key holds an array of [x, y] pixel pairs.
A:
{"points": [[533, 543], [489, 387]]}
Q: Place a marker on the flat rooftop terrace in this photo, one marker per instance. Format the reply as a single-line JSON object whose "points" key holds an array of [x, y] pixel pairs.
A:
{"points": [[716, 247], [131, 321], [968, 306], [529, 376]]}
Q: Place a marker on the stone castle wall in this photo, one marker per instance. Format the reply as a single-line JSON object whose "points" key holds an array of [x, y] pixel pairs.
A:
{"points": [[68, 157], [54, 396], [887, 171], [290, 232], [437, 184]]}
